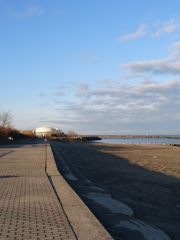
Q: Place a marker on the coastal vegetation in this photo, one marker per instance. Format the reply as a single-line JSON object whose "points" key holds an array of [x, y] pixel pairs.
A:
{"points": [[7, 132]]}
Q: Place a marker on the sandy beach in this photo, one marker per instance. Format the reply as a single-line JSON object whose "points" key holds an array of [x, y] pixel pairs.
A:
{"points": [[144, 176]]}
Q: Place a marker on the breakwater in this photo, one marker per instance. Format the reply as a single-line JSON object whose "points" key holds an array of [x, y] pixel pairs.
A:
{"points": [[139, 136]]}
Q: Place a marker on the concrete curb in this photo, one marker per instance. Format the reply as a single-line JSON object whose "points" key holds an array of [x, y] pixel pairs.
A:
{"points": [[84, 223]]}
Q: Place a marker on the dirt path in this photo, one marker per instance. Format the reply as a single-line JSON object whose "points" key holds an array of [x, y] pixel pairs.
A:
{"points": [[146, 177]]}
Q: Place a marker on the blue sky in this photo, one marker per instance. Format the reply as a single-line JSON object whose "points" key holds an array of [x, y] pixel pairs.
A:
{"points": [[94, 67]]}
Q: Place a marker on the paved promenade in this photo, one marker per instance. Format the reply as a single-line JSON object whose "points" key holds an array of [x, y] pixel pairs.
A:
{"points": [[30, 208]]}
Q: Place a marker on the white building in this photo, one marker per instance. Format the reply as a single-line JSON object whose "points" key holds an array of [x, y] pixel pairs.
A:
{"points": [[47, 131]]}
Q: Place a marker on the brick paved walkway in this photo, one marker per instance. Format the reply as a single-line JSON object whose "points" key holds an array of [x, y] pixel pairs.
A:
{"points": [[29, 207]]}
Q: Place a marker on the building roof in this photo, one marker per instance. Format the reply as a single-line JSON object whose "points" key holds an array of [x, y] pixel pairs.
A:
{"points": [[46, 129]]}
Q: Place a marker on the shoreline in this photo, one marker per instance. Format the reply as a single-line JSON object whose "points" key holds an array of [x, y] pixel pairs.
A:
{"points": [[165, 144]]}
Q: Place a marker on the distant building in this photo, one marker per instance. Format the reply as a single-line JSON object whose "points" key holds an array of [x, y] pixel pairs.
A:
{"points": [[47, 131]]}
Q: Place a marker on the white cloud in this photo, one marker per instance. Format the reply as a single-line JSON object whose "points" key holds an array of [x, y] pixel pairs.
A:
{"points": [[91, 60], [80, 54], [124, 95], [148, 103], [175, 46], [59, 94], [167, 27], [166, 66], [141, 31], [84, 55], [156, 67], [30, 12], [161, 28], [83, 86]]}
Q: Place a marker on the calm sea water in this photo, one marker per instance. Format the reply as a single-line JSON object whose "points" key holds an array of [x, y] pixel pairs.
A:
{"points": [[140, 140]]}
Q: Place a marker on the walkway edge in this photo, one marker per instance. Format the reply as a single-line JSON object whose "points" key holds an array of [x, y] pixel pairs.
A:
{"points": [[84, 223]]}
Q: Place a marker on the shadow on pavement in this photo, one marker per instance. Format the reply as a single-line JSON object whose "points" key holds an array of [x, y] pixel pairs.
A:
{"points": [[8, 176], [4, 154]]}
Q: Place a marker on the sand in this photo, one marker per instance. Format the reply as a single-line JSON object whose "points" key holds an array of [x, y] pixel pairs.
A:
{"points": [[144, 176]]}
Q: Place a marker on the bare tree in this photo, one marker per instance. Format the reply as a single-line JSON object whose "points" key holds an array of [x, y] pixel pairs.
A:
{"points": [[71, 133], [5, 120]]}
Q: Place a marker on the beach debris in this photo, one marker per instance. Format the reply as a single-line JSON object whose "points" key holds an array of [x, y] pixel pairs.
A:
{"points": [[175, 145]]}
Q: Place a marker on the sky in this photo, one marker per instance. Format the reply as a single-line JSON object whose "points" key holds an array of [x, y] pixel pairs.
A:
{"points": [[91, 66]]}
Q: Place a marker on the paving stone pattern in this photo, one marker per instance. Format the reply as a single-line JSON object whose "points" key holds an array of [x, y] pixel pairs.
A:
{"points": [[29, 207]]}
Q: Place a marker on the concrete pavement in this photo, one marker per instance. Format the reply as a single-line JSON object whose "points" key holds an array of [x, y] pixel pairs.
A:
{"points": [[35, 200]]}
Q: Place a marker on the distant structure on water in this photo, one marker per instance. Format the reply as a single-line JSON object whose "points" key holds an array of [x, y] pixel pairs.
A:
{"points": [[45, 131]]}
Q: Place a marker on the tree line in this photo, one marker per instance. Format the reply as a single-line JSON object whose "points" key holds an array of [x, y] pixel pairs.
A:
{"points": [[7, 131]]}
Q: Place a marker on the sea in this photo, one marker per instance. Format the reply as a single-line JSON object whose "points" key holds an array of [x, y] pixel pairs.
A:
{"points": [[165, 140]]}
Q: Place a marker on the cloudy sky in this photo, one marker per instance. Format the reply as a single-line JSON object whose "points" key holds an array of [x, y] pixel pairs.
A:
{"points": [[94, 66]]}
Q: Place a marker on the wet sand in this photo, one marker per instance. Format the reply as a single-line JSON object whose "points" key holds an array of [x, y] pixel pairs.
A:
{"points": [[144, 176]]}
